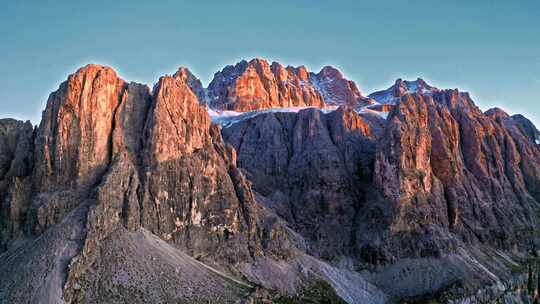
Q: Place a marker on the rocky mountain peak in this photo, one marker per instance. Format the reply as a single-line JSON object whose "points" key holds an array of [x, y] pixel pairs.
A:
{"points": [[402, 87], [337, 90], [184, 74], [135, 195], [497, 113], [73, 145], [256, 84]]}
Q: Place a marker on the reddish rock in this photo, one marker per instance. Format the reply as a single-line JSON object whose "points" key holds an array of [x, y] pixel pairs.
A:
{"points": [[73, 144], [311, 168], [256, 85]]}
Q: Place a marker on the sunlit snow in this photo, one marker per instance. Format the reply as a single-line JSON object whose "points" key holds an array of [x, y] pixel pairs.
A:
{"points": [[366, 110], [227, 118]]}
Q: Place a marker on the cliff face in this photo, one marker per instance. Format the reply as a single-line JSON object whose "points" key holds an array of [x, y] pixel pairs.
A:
{"points": [[256, 84], [123, 192], [16, 162], [193, 192], [111, 156], [337, 90], [437, 165], [313, 167], [437, 179], [446, 166]]}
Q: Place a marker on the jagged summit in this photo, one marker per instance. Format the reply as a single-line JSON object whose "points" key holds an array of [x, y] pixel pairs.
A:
{"points": [[402, 87], [185, 75], [256, 84]]}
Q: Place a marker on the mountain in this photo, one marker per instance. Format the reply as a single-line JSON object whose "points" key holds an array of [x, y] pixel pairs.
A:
{"points": [[257, 84], [272, 185]]}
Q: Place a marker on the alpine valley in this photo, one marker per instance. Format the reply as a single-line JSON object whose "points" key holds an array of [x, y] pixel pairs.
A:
{"points": [[273, 184]]}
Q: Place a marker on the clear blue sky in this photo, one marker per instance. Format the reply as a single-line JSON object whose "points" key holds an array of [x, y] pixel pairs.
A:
{"points": [[490, 48]]}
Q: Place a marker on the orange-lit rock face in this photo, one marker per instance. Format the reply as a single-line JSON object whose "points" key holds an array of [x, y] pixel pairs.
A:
{"points": [[140, 158], [257, 85], [308, 163], [185, 75], [179, 124], [73, 141]]}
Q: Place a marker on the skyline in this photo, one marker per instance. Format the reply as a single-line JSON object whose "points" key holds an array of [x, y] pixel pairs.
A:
{"points": [[488, 48]]}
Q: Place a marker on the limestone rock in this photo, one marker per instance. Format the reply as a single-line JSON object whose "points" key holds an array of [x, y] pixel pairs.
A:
{"points": [[311, 166], [452, 171], [337, 90], [255, 85], [192, 195], [16, 163], [185, 75]]}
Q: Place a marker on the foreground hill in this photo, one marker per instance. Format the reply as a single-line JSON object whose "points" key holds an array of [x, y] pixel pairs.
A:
{"points": [[273, 184]]}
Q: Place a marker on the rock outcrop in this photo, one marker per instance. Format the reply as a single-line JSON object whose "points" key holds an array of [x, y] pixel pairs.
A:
{"points": [[337, 90], [400, 88], [254, 85], [110, 157], [193, 192], [185, 75]]}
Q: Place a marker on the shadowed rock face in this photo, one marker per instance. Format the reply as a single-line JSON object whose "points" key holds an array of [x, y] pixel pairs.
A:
{"points": [[313, 168], [437, 176], [132, 160]]}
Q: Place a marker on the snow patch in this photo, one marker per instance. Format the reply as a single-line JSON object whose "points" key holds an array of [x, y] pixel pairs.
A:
{"points": [[537, 141], [366, 110], [228, 118]]}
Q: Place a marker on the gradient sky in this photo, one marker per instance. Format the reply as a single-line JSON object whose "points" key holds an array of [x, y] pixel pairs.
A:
{"points": [[489, 48]]}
